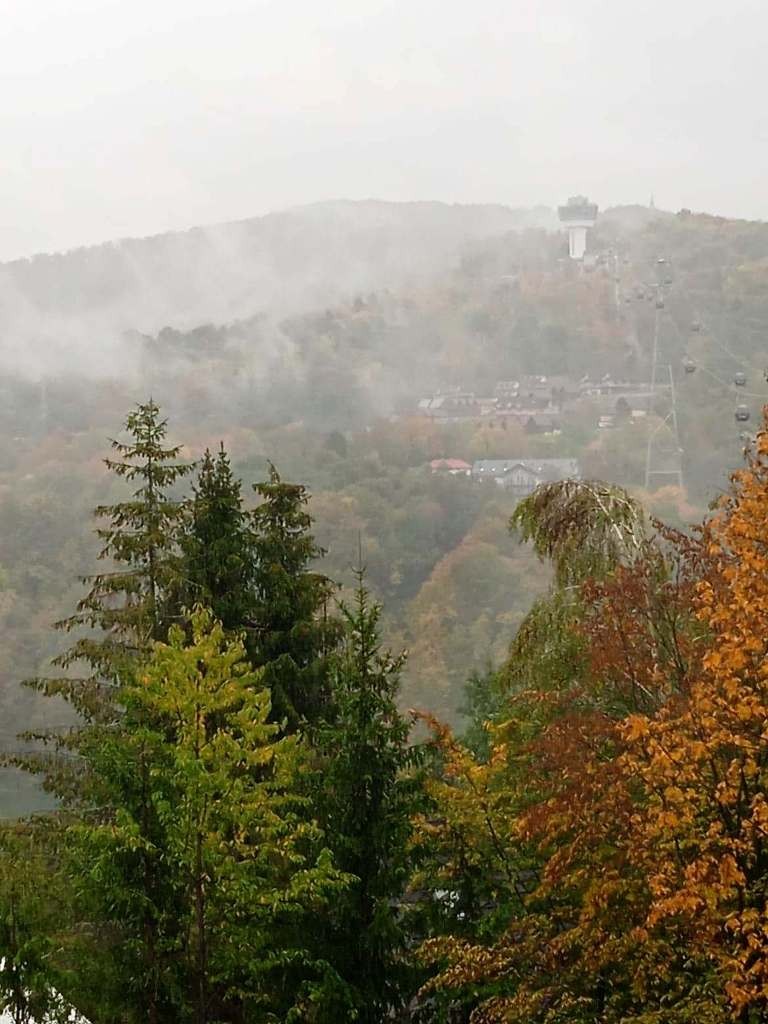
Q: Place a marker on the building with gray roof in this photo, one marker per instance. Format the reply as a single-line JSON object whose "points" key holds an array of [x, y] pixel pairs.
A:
{"points": [[523, 476]]}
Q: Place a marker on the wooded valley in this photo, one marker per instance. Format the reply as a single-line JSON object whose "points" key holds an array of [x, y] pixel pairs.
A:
{"points": [[306, 719]]}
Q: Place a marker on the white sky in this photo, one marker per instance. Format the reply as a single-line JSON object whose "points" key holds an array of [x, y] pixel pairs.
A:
{"points": [[131, 117]]}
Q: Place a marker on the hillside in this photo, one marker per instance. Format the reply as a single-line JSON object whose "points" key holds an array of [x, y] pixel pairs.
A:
{"points": [[331, 393], [83, 299]]}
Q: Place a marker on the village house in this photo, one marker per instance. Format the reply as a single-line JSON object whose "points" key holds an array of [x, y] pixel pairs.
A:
{"points": [[532, 421], [523, 476], [543, 390], [454, 467], [536, 402], [606, 385], [451, 406]]}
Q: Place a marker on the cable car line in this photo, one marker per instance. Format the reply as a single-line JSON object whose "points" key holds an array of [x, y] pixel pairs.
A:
{"points": [[730, 385], [739, 379]]}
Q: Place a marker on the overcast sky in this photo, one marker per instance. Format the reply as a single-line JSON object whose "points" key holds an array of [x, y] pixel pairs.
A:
{"points": [[132, 117]]}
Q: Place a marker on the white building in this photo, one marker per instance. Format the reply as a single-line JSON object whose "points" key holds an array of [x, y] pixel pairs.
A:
{"points": [[578, 216], [523, 476]]}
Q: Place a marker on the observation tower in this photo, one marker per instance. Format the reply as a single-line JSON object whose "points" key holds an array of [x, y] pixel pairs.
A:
{"points": [[578, 216]]}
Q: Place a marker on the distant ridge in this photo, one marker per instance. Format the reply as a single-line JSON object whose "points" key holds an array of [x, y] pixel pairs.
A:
{"points": [[633, 217], [361, 211], [288, 261], [265, 252]]}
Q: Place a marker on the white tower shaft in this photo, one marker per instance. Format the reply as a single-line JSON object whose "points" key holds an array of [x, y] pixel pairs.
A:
{"points": [[577, 217], [577, 241]]}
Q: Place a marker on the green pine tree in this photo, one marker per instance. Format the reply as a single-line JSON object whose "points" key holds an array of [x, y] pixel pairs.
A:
{"points": [[292, 635], [217, 545], [370, 784], [128, 605]]}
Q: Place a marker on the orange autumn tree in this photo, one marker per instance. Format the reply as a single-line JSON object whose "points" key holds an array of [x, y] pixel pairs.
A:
{"points": [[559, 806], [701, 837], [641, 650], [650, 806]]}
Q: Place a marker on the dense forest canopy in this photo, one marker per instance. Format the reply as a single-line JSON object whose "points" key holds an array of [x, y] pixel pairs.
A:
{"points": [[393, 678], [331, 396]]}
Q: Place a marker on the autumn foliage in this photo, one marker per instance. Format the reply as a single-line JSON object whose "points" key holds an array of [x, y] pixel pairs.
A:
{"points": [[623, 810], [702, 763]]}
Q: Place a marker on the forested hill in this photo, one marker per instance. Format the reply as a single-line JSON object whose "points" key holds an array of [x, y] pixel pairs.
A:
{"points": [[331, 394], [54, 303]]}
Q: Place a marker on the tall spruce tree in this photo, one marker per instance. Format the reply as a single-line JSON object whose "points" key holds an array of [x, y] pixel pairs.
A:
{"points": [[370, 786], [292, 635], [128, 605], [217, 545]]}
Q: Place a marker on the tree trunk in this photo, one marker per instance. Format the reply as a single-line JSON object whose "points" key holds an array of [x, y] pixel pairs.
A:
{"points": [[201, 995]]}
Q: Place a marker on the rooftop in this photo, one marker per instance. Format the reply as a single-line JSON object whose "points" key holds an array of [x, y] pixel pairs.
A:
{"points": [[457, 465], [547, 469]]}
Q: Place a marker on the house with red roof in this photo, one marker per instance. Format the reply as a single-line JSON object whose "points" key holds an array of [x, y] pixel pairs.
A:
{"points": [[455, 467]]}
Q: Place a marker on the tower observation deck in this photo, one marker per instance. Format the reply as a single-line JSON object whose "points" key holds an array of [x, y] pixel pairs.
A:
{"points": [[578, 216]]}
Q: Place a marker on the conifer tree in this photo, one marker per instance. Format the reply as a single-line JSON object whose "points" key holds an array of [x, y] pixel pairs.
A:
{"points": [[217, 545], [129, 603], [292, 634], [370, 785], [128, 607]]}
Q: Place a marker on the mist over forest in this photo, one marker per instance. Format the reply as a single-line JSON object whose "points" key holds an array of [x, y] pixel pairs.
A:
{"points": [[358, 565], [57, 304], [308, 339], [383, 513]]}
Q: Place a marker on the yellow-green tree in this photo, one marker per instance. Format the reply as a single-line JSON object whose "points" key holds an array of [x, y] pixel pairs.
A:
{"points": [[241, 862]]}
